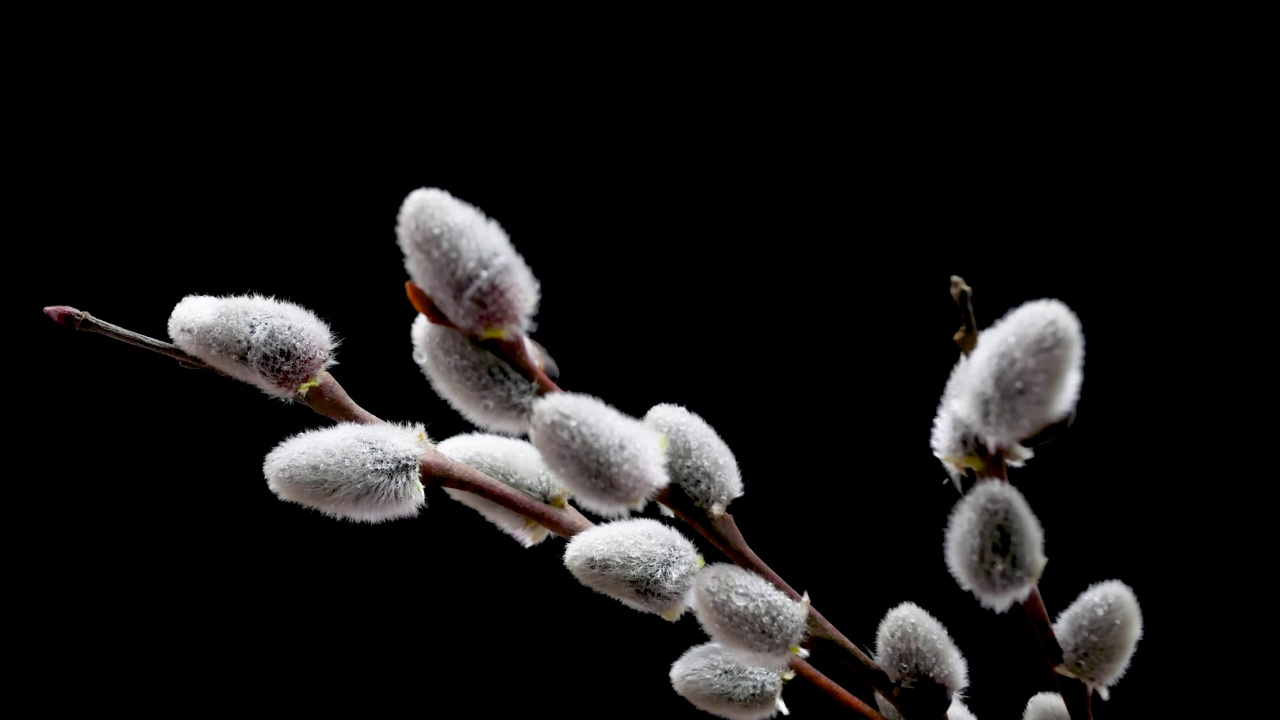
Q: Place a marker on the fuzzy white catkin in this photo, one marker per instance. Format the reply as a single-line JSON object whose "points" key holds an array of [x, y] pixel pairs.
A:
{"points": [[714, 680], [512, 462], [611, 462], [912, 644], [957, 710], [641, 563], [1024, 374], [698, 459], [482, 387], [953, 441], [364, 473], [1046, 706], [466, 263], [748, 615], [272, 344], [1099, 632], [994, 545]]}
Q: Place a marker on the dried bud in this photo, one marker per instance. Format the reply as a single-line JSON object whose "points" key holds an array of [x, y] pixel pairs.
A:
{"points": [[698, 460], [482, 387], [748, 615], [1098, 633], [1046, 706], [1024, 375], [611, 462], [715, 681], [512, 462], [276, 346], [365, 473], [466, 263], [641, 563], [994, 545], [916, 652]]}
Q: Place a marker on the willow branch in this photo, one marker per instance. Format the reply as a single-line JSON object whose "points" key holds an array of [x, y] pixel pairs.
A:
{"points": [[68, 316], [441, 470], [808, 672], [515, 351], [723, 533], [327, 397], [1073, 691]]}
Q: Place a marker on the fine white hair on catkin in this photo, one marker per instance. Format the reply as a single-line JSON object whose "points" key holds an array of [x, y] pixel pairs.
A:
{"points": [[640, 562], [1024, 374], [957, 711], [714, 680], [1046, 706], [482, 387], [274, 345], [748, 615], [515, 463], [610, 461], [466, 263], [953, 441], [1099, 632], [912, 644], [364, 473], [994, 545], [698, 459]]}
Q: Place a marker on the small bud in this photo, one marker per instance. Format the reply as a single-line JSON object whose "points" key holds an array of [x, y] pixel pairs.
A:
{"points": [[274, 345], [1098, 633], [715, 681], [994, 545], [466, 263], [1024, 375], [748, 615], [698, 460], [641, 563], [915, 650], [482, 387], [364, 473], [1046, 706], [611, 462], [515, 463]]}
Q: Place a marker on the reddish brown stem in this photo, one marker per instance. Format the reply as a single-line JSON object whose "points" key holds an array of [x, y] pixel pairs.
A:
{"points": [[722, 532], [68, 316], [839, 694], [329, 399], [515, 351], [1074, 693], [565, 522]]}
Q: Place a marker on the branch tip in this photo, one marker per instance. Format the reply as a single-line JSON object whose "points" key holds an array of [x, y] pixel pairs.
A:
{"points": [[64, 315]]}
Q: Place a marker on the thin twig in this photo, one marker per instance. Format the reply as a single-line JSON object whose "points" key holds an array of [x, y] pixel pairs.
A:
{"points": [[514, 350], [826, 684], [1074, 692], [326, 396], [565, 522], [723, 533], [68, 316]]}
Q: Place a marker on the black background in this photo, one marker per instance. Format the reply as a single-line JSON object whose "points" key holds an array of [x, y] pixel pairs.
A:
{"points": [[780, 270]]}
